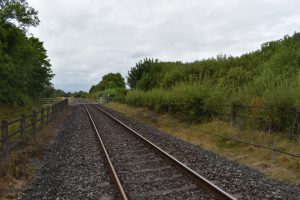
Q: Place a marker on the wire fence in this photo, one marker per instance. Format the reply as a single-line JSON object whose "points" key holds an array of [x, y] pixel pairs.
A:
{"points": [[257, 118], [274, 148], [269, 119]]}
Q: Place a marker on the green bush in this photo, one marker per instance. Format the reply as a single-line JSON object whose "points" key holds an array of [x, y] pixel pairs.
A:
{"points": [[191, 101], [267, 79]]}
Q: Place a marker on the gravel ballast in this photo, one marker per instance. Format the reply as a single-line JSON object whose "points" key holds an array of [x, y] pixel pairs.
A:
{"points": [[73, 166], [143, 178], [237, 179]]}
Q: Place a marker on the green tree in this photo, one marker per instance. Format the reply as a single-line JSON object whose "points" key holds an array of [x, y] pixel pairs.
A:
{"points": [[25, 69], [18, 13], [109, 81]]}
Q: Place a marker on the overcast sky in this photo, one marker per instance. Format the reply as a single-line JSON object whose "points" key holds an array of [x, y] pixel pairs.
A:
{"points": [[86, 39]]}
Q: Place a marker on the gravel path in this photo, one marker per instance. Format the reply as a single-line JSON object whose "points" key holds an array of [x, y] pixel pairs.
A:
{"points": [[239, 180], [74, 167]]}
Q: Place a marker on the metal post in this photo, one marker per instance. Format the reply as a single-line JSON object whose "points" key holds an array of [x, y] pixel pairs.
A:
{"points": [[270, 126], [23, 129], [274, 149], [34, 119], [5, 139]]}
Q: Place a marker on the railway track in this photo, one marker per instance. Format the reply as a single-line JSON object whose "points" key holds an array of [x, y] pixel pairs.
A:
{"points": [[142, 170]]}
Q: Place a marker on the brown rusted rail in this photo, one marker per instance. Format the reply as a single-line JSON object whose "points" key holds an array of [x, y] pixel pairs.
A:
{"points": [[111, 167]]}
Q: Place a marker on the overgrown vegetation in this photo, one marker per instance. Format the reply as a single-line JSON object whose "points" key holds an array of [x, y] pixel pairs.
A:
{"points": [[111, 85], [268, 80], [25, 71]]}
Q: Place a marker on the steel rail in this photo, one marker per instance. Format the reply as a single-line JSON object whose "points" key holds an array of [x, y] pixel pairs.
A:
{"points": [[111, 167], [197, 178]]}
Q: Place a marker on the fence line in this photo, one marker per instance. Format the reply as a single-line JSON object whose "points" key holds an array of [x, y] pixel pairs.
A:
{"points": [[18, 130], [274, 149], [49, 101], [242, 115], [237, 113]]}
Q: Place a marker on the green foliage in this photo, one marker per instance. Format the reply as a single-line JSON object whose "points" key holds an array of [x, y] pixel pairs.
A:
{"points": [[80, 94], [18, 12], [50, 91], [112, 84], [189, 101], [24, 66], [109, 81], [269, 77], [145, 74]]}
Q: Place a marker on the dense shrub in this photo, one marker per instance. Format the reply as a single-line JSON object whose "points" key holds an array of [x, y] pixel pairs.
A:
{"points": [[190, 101], [268, 80]]}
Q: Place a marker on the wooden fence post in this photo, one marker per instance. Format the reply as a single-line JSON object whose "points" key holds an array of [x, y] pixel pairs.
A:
{"points": [[42, 117], [48, 114], [23, 128], [60, 109], [5, 139], [52, 113], [65, 106], [55, 112], [34, 119]]}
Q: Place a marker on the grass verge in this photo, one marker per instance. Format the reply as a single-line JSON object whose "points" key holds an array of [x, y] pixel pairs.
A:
{"points": [[283, 168]]}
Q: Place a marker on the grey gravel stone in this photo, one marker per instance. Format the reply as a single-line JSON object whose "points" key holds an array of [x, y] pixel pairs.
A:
{"points": [[73, 166], [143, 178]]}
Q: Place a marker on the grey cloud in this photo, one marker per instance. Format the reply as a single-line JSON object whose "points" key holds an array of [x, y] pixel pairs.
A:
{"points": [[87, 39]]}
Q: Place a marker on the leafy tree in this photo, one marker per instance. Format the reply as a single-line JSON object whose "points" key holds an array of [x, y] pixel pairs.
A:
{"points": [[138, 71], [19, 13], [110, 80], [112, 84], [25, 70]]}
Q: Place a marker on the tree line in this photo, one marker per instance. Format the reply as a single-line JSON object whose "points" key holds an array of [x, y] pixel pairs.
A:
{"points": [[25, 70]]}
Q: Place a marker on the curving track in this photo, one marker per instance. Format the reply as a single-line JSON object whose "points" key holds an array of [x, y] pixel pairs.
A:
{"points": [[140, 169]]}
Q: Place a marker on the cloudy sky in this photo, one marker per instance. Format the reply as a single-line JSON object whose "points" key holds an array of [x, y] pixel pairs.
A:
{"points": [[86, 39]]}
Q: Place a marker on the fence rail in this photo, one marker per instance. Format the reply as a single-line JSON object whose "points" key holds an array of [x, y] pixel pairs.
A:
{"points": [[18, 130], [50, 101]]}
